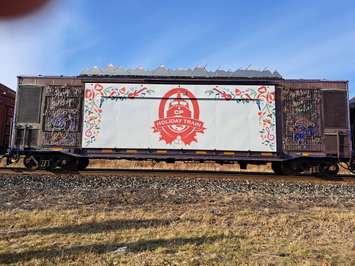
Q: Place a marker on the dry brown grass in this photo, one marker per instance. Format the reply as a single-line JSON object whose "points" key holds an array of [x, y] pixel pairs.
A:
{"points": [[179, 165], [216, 232]]}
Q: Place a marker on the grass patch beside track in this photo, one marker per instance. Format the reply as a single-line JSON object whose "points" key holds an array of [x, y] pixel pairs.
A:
{"points": [[224, 230]]}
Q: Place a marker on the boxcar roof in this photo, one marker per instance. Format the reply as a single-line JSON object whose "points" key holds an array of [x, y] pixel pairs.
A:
{"points": [[6, 90], [162, 71], [112, 73], [105, 78]]}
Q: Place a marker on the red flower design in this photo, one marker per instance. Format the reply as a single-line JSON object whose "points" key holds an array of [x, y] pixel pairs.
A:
{"points": [[237, 92], [123, 90]]}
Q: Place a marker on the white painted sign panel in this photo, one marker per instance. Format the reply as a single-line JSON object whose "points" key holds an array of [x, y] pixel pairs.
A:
{"points": [[180, 116]]}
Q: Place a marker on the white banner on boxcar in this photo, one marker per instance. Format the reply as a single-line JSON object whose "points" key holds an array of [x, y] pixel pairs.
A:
{"points": [[165, 116]]}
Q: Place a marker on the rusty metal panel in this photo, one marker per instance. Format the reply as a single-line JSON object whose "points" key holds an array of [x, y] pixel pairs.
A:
{"points": [[49, 80], [314, 84], [2, 124], [62, 116], [335, 109], [337, 143], [7, 102], [342, 145], [302, 120], [331, 144]]}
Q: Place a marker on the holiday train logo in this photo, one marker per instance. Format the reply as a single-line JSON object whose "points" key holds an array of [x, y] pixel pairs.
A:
{"points": [[179, 115]]}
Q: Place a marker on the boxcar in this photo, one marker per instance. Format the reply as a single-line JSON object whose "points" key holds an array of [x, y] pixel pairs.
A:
{"points": [[7, 104], [245, 116]]}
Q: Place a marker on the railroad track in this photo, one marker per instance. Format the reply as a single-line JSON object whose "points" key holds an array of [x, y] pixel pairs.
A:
{"points": [[105, 188], [209, 174]]}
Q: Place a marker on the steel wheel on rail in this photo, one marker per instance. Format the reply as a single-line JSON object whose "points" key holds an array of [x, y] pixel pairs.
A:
{"points": [[291, 167], [83, 163], [328, 169], [277, 168], [68, 163], [32, 162]]}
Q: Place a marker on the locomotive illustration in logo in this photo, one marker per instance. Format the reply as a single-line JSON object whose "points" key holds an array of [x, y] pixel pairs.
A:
{"points": [[179, 115]]}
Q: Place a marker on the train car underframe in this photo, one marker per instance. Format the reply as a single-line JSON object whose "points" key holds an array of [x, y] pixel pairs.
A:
{"points": [[68, 161]]}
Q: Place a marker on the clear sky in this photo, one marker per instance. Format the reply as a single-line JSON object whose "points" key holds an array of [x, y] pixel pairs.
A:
{"points": [[300, 39]]}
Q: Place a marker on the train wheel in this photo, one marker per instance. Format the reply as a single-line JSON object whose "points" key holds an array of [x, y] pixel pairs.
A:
{"points": [[328, 169], [83, 163], [52, 164], [291, 168], [32, 162], [277, 168], [69, 164]]}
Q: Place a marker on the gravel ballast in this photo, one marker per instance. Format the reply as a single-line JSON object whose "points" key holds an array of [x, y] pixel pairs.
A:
{"points": [[71, 191]]}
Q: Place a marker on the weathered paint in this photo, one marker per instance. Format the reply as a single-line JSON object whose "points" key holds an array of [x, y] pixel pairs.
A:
{"points": [[7, 103]]}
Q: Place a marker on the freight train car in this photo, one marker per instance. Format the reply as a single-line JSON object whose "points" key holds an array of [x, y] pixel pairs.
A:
{"points": [[249, 117], [352, 123], [7, 104]]}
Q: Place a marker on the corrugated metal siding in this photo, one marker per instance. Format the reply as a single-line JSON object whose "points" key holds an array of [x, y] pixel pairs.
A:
{"points": [[26, 137], [29, 102], [32, 137], [8, 125], [19, 136]]}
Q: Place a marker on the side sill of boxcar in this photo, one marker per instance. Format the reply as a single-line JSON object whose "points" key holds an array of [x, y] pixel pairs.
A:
{"points": [[78, 159]]}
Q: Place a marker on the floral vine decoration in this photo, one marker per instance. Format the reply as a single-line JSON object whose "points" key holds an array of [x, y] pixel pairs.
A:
{"points": [[95, 95], [263, 97]]}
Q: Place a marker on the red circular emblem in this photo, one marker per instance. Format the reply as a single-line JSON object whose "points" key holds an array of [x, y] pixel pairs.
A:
{"points": [[179, 115]]}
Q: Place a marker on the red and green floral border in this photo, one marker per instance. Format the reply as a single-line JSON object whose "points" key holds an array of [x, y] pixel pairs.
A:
{"points": [[264, 97], [94, 95]]}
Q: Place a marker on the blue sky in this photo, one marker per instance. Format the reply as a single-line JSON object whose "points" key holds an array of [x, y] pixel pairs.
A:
{"points": [[300, 39]]}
